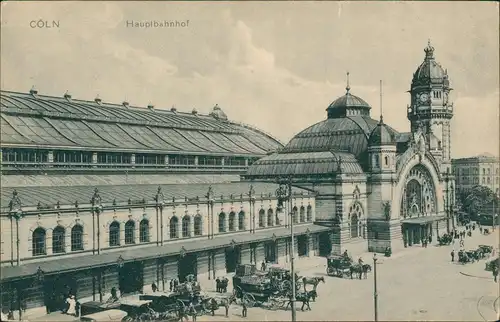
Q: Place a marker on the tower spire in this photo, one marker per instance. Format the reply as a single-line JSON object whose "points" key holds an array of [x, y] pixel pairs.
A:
{"points": [[347, 88], [381, 110]]}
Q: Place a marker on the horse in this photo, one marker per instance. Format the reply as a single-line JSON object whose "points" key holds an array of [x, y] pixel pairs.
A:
{"points": [[314, 281], [361, 269], [303, 297], [213, 304]]}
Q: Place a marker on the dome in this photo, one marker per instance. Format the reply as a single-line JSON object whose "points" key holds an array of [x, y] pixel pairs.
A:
{"points": [[382, 135], [429, 71], [348, 105], [218, 113], [349, 134]]}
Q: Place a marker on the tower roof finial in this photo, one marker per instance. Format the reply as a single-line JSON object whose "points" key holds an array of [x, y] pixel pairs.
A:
{"points": [[381, 110], [347, 88], [429, 50]]}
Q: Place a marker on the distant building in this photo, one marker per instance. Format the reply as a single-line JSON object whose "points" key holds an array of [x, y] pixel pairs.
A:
{"points": [[479, 170]]}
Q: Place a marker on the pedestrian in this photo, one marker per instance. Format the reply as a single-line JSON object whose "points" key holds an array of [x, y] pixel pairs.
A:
{"points": [[430, 239], [495, 273], [154, 287], [480, 230], [71, 305], [263, 266], [217, 285], [244, 309], [78, 305], [452, 255]]}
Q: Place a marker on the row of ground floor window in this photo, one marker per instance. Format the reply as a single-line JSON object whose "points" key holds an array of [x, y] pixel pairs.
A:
{"points": [[136, 276], [187, 226]]}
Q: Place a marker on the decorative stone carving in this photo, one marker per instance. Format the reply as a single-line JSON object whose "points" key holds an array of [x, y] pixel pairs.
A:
{"points": [[15, 203], [387, 209], [356, 193], [96, 198]]}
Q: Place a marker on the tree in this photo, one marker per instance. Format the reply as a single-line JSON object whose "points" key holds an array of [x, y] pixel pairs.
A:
{"points": [[479, 198]]}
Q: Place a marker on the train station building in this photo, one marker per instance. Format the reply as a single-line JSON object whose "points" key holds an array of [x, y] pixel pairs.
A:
{"points": [[98, 195]]}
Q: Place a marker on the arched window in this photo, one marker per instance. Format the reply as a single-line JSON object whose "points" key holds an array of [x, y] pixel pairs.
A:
{"points": [[114, 234], [386, 160], [58, 240], [262, 218], [295, 215], [241, 221], [198, 225], [76, 238], [144, 231], [174, 229], [186, 222], [270, 216], [232, 221], [39, 247], [302, 214], [129, 232], [309, 213], [222, 222], [355, 213]]}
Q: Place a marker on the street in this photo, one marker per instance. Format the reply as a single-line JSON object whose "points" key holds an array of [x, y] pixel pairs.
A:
{"points": [[415, 284]]}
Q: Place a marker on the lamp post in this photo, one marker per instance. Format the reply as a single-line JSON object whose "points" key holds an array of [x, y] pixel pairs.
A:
{"points": [[284, 192], [375, 294], [447, 200], [210, 201], [251, 195]]}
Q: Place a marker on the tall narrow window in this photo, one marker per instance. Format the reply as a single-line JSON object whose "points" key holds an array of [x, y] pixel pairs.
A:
{"points": [[129, 232], [39, 247], [262, 218], [232, 221], [270, 216], [76, 238], [222, 222], [58, 239], [198, 225], [386, 160], [186, 221], [241, 221], [174, 229], [309, 213], [144, 231], [114, 234], [295, 215], [302, 214]]}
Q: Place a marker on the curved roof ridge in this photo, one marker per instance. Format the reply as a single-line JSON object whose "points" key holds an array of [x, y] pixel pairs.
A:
{"points": [[251, 127]]}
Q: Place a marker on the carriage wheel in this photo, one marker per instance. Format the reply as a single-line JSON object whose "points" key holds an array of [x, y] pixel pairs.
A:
{"points": [[180, 305], [238, 292], [248, 299], [330, 271]]}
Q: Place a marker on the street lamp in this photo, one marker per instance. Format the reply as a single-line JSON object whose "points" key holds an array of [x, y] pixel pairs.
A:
{"points": [[283, 193], [375, 294]]}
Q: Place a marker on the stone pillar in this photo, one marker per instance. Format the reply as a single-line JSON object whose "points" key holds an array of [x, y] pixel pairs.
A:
{"points": [[246, 162], [222, 161], [94, 158], [67, 240], [132, 160], [191, 226], [50, 157], [122, 234], [136, 232], [226, 220], [166, 161], [48, 241], [196, 160]]}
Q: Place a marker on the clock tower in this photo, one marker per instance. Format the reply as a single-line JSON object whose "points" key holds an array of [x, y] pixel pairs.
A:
{"points": [[430, 110]]}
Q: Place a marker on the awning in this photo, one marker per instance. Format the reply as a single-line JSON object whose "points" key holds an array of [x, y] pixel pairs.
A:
{"points": [[171, 248], [422, 220]]}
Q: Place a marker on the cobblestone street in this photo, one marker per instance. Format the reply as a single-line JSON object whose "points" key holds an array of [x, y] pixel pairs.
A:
{"points": [[415, 284]]}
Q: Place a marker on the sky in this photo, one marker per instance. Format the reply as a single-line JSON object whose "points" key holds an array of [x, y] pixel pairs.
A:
{"points": [[274, 65]]}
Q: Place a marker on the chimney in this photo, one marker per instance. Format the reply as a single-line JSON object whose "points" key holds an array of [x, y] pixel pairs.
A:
{"points": [[126, 104], [151, 107], [33, 90], [194, 111], [67, 96], [98, 100]]}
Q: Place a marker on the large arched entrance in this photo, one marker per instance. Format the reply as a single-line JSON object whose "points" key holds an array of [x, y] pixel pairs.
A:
{"points": [[187, 265], [418, 205], [233, 258]]}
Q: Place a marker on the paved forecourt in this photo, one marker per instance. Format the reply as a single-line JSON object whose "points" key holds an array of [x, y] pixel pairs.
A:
{"points": [[415, 284]]}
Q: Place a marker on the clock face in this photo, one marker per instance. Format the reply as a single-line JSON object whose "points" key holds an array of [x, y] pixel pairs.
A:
{"points": [[424, 97]]}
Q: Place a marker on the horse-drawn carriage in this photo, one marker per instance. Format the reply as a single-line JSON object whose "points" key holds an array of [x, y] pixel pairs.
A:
{"points": [[258, 287], [338, 266]]}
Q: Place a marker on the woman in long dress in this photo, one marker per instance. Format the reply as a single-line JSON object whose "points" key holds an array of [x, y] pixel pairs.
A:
{"points": [[71, 305]]}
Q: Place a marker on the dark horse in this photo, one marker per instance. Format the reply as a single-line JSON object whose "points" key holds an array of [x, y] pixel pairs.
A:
{"points": [[303, 297], [360, 269]]}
